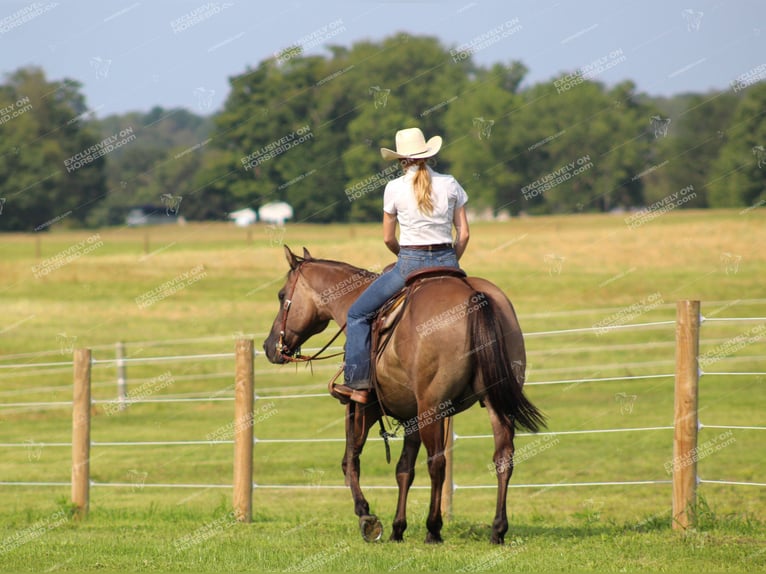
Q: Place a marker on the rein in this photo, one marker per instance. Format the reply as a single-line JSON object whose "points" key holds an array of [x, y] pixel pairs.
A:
{"points": [[295, 356]]}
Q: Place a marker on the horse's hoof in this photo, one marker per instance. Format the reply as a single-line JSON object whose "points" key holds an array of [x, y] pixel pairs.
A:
{"points": [[433, 539], [371, 528], [497, 539]]}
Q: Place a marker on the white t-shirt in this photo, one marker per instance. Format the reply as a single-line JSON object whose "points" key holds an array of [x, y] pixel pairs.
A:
{"points": [[416, 228]]}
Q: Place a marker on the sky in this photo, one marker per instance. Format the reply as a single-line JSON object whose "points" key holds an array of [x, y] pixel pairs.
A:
{"points": [[132, 55]]}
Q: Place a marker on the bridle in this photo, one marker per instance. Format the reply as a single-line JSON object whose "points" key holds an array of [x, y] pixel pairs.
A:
{"points": [[294, 356]]}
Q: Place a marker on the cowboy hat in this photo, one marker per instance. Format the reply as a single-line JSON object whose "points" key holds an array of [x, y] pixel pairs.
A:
{"points": [[412, 144]]}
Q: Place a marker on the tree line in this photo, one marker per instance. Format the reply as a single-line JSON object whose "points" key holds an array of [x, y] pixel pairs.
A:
{"points": [[306, 129]]}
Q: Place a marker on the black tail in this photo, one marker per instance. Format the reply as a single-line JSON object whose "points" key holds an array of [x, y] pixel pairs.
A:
{"points": [[504, 392]]}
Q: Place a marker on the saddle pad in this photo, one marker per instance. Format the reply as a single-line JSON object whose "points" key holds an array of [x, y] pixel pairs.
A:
{"points": [[429, 272]]}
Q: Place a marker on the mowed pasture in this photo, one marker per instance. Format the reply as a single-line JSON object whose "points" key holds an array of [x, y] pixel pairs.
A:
{"points": [[85, 288]]}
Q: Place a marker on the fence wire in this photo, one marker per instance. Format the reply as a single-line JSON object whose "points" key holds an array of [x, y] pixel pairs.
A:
{"points": [[220, 356]]}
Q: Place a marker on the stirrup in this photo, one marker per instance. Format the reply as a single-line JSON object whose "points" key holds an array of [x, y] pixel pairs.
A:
{"points": [[331, 387]]}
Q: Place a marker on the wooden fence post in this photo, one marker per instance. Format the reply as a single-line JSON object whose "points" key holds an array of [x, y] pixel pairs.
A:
{"points": [[448, 486], [684, 463], [81, 432], [122, 381], [243, 431]]}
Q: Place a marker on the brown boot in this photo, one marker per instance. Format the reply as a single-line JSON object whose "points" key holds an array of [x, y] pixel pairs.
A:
{"points": [[344, 394]]}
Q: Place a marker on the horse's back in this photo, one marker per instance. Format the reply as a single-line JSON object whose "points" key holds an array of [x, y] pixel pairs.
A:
{"points": [[429, 358]]}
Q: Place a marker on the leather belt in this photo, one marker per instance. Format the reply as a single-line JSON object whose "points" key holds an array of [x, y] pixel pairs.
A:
{"points": [[436, 247]]}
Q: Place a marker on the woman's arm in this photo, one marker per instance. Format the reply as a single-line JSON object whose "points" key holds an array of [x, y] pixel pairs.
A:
{"points": [[389, 232], [460, 220]]}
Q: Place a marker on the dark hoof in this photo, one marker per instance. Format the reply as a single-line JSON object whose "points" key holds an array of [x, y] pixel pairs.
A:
{"points": [[495, 539], [433, 539], [371, 528], [395, 538]]}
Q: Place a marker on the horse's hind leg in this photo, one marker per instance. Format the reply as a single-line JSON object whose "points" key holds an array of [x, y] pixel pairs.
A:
{"points": [[433, 439], [405, 474], [503, 459]]}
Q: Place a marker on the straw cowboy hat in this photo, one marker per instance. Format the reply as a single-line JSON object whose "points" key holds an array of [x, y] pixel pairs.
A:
{"points": [[412, 144]]}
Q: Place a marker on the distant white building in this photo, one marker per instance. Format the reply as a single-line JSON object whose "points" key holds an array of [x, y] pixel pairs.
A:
{"points": [[276, 212], [243, 217]]}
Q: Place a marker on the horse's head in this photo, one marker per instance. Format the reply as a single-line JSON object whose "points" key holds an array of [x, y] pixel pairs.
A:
{"points": [[298, 317]]}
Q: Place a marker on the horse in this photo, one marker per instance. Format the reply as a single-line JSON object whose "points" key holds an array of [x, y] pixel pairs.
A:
{"points": [[457, 342]]}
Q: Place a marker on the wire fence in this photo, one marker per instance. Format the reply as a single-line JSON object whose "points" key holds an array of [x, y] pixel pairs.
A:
{"points": [[207, 398]]}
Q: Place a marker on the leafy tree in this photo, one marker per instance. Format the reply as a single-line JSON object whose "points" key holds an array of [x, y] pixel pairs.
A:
{"points": [[268, 130], [685, 153], [738, 177], [42, 178], [307, 129], [406, 81], [351, 105], [484, 140], [163, 158], [552, 149]]}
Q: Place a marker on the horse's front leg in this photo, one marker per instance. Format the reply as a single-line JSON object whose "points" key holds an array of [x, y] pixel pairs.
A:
{"points": [[405, 474], [359, 419]]}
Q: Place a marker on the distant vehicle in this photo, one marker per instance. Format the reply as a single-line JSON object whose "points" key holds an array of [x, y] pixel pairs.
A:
{"points": [[151, 215]]}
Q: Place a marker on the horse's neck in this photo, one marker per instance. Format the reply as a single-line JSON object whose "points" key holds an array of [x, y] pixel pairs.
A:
{"points": [[338, 286]]}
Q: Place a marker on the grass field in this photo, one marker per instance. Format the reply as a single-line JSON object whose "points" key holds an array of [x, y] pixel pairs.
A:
{"points": [[71, 289]]}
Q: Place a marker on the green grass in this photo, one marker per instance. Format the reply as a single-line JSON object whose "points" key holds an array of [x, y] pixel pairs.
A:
{"points": [[314, 537], [606, 270]]}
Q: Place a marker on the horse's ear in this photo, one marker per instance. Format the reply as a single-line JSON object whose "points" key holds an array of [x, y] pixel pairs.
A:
{"points": [[306, 254], [292, 258]]}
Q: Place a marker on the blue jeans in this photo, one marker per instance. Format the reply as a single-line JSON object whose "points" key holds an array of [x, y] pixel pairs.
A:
{"points": [[363, 310]]}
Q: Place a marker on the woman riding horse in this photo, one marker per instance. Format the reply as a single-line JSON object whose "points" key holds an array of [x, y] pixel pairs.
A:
{"points": [[426, 205], [456, 342]]}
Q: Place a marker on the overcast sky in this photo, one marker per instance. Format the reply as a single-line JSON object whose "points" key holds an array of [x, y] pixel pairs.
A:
{"points": [[132, 55]]}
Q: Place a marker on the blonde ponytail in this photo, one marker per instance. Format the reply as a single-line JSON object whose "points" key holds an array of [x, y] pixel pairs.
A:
{"points": [[422, 187]]}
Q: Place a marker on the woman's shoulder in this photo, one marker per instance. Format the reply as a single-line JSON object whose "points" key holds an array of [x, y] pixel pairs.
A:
{"points": [[445, 179], [395, 183]]}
